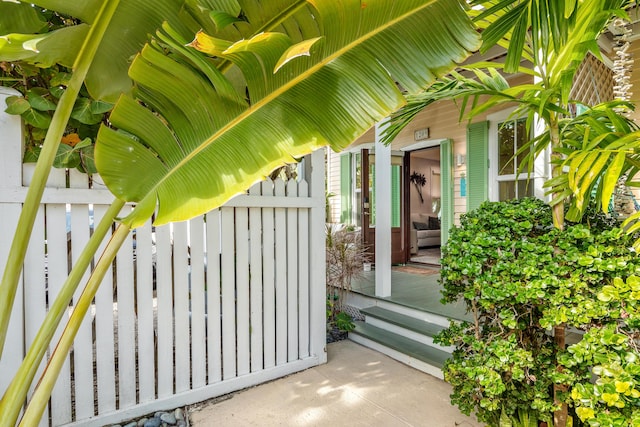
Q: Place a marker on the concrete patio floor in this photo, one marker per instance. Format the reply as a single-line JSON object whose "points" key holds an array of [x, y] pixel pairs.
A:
{"points": [[357, 387]]}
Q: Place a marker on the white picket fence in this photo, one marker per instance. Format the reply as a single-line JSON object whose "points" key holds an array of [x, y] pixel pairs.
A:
{"points": [[190, 310]]}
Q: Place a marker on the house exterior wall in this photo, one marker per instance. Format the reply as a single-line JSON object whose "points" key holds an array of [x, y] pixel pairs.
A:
{"points": [[333, 185], [442, 120]]}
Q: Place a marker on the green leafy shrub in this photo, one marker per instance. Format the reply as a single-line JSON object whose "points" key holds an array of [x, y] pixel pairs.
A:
{"points": [[41, 88], [520, 277], [344, 322]]}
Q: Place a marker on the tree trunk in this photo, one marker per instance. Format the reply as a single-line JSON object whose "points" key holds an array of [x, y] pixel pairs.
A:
{"points": [[560, 416]]}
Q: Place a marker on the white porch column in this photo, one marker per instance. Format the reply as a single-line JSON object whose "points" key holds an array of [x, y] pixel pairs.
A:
{"points": [[383, 215]]}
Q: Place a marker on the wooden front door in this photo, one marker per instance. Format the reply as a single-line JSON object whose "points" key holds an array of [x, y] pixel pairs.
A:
{"points": [[368, 208]]}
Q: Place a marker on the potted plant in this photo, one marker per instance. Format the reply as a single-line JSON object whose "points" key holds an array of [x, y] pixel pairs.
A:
{"points": [[345, 258]]}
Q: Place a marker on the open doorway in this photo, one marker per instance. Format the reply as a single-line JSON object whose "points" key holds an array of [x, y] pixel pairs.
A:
{"points": [[424, 206]]}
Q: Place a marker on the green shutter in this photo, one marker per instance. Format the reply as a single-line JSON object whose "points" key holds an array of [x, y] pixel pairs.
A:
{"points": [[395, 196], [477, 164], [446, 182], [345, 188]]}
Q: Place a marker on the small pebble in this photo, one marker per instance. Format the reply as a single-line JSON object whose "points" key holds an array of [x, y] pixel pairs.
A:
{"points": [[179, 414], [168, 418], [153, 422], [171, 418]]}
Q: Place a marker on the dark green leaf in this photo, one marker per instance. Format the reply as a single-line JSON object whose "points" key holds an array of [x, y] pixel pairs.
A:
{"points": [[17, 105], [37, 99], [100, 107], [66, 157], [82, 112], [37, 118], [31, 154]]}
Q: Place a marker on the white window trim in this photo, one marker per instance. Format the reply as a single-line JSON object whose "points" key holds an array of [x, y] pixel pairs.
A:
{"points": [[540, 167]]}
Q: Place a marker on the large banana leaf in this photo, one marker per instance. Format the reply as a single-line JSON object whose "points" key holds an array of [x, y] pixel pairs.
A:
{"points": [[190, 139]]}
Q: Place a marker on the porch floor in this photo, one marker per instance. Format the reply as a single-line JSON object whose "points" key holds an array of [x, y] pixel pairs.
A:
{"points": [[419, 291]]}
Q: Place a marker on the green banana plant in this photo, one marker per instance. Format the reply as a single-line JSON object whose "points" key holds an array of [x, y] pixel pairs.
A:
{"points": [[253, 105]]}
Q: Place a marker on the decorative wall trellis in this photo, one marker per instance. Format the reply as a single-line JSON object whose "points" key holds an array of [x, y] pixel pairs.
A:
{"points": [[593, 82], [190, 311]]}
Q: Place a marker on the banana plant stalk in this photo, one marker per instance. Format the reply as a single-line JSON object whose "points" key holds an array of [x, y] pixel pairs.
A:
{"points": [[16, 393], [40, 397], [13, 268]]}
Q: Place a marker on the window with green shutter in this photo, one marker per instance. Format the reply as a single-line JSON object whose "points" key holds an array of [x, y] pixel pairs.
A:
{"points": [[512, 136]]}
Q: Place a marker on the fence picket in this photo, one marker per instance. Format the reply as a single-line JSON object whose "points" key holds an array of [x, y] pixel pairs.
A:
{"points": [[126, 323], [214, 347], [164, 291], [228, 295], [242, 291], [11, 140], [268, 284], [303, 275], [35, 286], [145, 309], [83, 343], [181, 304], [104, 344], [198, 295], [281, 277], [255, 271], [57, 263], [292, 275]]}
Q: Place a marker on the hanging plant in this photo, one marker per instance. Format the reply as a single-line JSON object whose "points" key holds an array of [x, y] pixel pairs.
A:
{"points": [[419, 180]]}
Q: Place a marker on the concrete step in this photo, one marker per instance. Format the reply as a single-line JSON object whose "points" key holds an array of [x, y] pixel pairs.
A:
{"points": [[422, 356]]}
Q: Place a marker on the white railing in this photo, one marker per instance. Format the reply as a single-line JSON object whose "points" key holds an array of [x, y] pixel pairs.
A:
{"points": [[190, 310]]}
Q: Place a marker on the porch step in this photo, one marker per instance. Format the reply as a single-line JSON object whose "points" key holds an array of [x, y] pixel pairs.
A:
{"points": [[410, 323], [422, 356]]}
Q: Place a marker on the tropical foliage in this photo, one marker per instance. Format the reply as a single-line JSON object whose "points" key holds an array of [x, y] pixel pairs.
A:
{"points": [[520, 287], [201, 123], [548, 45], [547, 40]]}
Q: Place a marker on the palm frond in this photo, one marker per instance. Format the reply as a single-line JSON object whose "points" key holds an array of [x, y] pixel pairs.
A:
{"points": [[600, 147]]}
